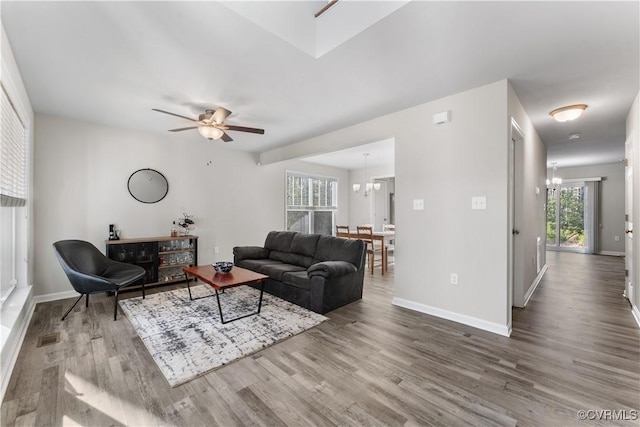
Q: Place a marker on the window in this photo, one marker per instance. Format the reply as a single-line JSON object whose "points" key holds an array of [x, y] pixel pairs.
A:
{"points": [[13, 190], [311, 203], [572, 210]]}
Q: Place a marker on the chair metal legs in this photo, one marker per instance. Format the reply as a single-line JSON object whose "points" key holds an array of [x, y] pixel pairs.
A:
{"points": [[115, 303], [74, 304]]}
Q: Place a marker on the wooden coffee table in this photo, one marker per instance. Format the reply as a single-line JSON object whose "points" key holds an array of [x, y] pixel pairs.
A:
{"points": [[221, 281]]}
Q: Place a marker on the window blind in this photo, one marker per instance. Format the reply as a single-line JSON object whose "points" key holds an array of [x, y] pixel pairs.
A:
{"points": [[13, 155]]}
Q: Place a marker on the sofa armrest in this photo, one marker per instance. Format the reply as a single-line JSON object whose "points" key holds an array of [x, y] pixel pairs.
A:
{"points": [[249, 252], [329, 269]]}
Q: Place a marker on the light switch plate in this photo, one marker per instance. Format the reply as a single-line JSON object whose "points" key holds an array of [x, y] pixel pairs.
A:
{"points": [[478, 202], [418, 204]]}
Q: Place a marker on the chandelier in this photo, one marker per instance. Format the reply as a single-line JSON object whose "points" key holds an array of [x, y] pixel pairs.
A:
{"points": [[369, 185], [554, 180]]}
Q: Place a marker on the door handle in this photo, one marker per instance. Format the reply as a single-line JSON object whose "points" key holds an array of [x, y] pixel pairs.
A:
{"points": [[514, 231], [628, 231]]}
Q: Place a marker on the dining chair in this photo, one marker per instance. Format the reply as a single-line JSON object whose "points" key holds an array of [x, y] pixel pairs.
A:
{"points": [[365, 233], [343, 231], [390, 227]]}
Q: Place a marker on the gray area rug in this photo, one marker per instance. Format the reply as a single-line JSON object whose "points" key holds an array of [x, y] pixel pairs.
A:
{"points": [[186, 338]]}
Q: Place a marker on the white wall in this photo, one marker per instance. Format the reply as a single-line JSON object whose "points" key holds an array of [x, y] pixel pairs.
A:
{"points": [[633, 131], [530, 208], [611, 221], [445, 165], [81, 187]]}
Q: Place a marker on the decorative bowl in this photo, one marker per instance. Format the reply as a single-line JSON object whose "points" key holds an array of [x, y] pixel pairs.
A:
{"points": [[223, 266]]}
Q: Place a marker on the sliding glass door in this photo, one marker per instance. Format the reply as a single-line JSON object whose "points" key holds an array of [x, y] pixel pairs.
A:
{"points": [[569, 225]]}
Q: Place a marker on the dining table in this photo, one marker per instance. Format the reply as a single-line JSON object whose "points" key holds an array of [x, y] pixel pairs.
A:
{"points": [[384, 237]]}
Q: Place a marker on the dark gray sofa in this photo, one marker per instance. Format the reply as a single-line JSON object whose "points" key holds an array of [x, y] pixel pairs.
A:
{"points": [[317, 272]]}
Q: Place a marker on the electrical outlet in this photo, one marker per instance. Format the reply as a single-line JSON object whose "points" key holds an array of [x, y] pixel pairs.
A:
{"points": [[418, 204], [454, 279], [478, 202], [616, 238], [216, 250]]}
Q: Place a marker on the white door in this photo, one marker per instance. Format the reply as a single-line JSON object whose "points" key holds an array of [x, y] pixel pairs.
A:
{"points": [[628, 206], [516, 175]]}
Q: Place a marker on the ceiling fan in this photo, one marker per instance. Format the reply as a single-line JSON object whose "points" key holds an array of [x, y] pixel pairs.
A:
{"points": [[211, 124]]}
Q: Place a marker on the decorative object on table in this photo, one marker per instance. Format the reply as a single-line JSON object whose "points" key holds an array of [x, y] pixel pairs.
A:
{"points": [[186, 338], [113, 233], [223, 266], [148, 186], [211, 124], [187, 224], [174, 230]]}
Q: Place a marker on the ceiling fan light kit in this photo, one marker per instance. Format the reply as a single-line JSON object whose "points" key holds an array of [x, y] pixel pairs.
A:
{"points": [[211, 124], [568, 113], [210, 132]]}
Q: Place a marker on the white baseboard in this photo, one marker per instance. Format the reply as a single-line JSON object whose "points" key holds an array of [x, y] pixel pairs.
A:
{"points": [[636, 314], [56, 296], [534, 285], [504, 330], [611, 253]]}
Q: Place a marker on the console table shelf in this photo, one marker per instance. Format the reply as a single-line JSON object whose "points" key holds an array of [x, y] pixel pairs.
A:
{"points": [[163, 258]]}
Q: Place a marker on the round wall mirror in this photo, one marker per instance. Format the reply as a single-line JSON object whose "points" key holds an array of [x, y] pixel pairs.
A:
{"points": [[148, 185]]}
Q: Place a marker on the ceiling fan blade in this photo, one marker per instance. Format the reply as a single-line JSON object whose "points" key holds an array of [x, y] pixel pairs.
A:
{"points": [[220, 115], [181, 129], [174, 114], [243, 129], [226, 138]]}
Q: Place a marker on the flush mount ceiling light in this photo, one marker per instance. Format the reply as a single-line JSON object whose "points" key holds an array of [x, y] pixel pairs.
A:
{"points": [[568, 113]]}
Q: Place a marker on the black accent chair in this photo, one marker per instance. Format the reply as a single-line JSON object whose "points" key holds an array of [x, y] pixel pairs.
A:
{"points": [[90, 272]]}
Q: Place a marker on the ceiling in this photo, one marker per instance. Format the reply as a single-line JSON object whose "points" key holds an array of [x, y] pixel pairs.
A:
{"points": [[112, 62], [380, 153]]}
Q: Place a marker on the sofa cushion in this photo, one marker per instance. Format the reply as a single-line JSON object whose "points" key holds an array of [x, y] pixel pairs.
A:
{"points": [[299, 279], [250, 252], [305, 244], [276, 271], [292, 258], [279, 240], [256, 264], [338, 249]]}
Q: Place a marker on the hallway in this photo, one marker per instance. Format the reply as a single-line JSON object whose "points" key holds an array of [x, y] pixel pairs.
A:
{"points": [[587, 344]]}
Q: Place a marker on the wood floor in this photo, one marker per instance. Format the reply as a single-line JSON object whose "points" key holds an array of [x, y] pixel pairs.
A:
{"points": [[575, 347]]}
